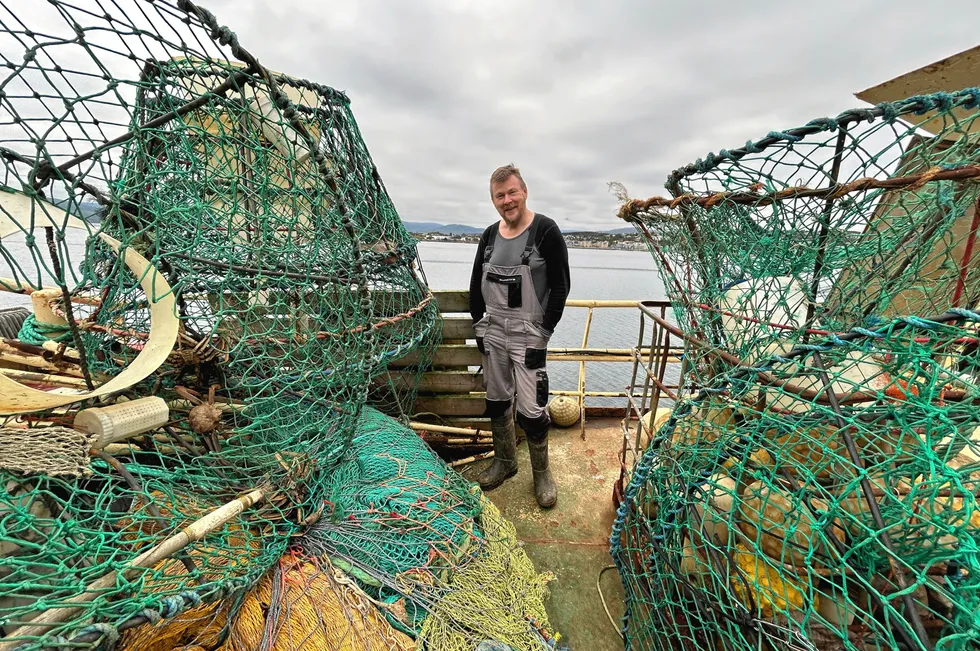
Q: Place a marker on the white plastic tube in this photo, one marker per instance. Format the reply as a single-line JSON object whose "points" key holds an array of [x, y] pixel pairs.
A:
{"points": [[122, 420]]}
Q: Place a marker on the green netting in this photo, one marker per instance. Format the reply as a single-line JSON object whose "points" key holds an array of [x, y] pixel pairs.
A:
{"points": [[392, 506], [816, 484], [294, 283], [426, 542]]}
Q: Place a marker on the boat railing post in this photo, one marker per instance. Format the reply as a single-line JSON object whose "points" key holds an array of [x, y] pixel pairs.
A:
{"points": [[581, 372]]}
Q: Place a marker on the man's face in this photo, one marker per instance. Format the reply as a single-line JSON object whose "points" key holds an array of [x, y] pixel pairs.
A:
{"points": [[510, 199]]}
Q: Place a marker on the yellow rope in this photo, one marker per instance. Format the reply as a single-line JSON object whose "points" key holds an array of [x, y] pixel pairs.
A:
{"points": [[497, 596]]}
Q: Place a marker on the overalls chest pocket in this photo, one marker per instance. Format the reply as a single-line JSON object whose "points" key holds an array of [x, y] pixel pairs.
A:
{"points": [[513, 285]]}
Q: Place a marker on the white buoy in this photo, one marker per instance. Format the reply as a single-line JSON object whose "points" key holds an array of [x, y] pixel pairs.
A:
{"points": [[277, 129]]}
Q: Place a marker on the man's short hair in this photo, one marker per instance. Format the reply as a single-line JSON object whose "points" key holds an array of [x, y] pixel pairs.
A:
{"points": [[501, 174]]}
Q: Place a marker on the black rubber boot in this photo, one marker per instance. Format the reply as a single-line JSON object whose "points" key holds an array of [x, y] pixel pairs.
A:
{"points": [[545, 490], [504, 463]]}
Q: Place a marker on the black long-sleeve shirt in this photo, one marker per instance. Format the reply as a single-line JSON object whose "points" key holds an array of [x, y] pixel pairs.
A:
{"points": [[550, 245]]}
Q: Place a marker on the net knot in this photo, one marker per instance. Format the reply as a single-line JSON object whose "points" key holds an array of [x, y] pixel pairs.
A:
{"points": [[888, 110], [226, 37], [110, 634], [705, 164], [229, 588], [943, 100], [752, 148], [152, 615], [868, 333], [917, 322], [826, 124], [192, 598], [919, 104], [783, 135], [868, 115], [172, 606], [969, 98]]}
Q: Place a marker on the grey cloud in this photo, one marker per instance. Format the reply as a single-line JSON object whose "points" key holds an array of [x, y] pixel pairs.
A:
{"points": [[577, 93]]}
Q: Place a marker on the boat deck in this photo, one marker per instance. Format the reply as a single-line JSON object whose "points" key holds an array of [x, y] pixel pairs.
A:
{"points": [[571, 540]]}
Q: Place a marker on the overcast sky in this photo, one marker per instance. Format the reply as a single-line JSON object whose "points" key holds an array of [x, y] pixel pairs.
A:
{"points": [[577, 95]]}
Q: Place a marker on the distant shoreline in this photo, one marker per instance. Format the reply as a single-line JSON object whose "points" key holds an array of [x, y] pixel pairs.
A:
{"points": [[590, 241]]}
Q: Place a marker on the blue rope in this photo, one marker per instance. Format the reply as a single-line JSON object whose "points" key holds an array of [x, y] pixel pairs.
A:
{"points": [[889, 111], [752, 148], [869, 333], [152, 615], [919, 323], [966, 314], [110, 634], [782, 135], [824, 124]]}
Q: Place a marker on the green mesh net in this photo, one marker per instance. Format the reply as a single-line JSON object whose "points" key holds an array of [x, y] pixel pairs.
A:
{"points": [[815, 487], [165, 197], [428, 544]]}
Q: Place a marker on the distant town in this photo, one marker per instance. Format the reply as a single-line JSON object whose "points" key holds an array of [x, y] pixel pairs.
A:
{"points": [[621, 239]]}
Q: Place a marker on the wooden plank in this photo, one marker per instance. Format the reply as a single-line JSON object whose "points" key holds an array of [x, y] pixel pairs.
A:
{"points": [[457, 327], [446, 355], [472, 422], [452, 300], [440, 381], [466, 410], [948, 74], [472, 404]]}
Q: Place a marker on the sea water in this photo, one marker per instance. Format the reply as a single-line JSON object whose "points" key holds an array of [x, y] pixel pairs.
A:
{"points": [[595, 274]]}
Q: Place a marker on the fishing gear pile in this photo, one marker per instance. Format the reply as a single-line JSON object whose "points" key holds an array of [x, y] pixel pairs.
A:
{"points": [[815, 485], [214, 334]]}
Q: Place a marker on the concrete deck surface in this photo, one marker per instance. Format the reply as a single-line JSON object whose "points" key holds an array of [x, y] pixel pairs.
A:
{"points": [[571, 540]]}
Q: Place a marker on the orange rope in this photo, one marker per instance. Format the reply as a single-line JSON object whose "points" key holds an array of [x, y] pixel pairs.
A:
{"points": [[633, 207]]}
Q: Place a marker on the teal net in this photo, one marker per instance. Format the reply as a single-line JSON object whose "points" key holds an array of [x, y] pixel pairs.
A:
{"points": [[191, 226], [203, 416], [815, 486], [428, 544]]}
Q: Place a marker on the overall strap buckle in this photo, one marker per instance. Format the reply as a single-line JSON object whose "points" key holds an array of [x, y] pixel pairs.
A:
{"points": [[491, 238], [532, 233]]}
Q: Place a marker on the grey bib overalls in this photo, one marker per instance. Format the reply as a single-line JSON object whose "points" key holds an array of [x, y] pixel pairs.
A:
{"points": [[513, 342]]}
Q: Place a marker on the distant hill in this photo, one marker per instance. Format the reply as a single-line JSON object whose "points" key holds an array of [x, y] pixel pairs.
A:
{"points": [[87, 210], [447, 229], [629, 230], [462, 229]]}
